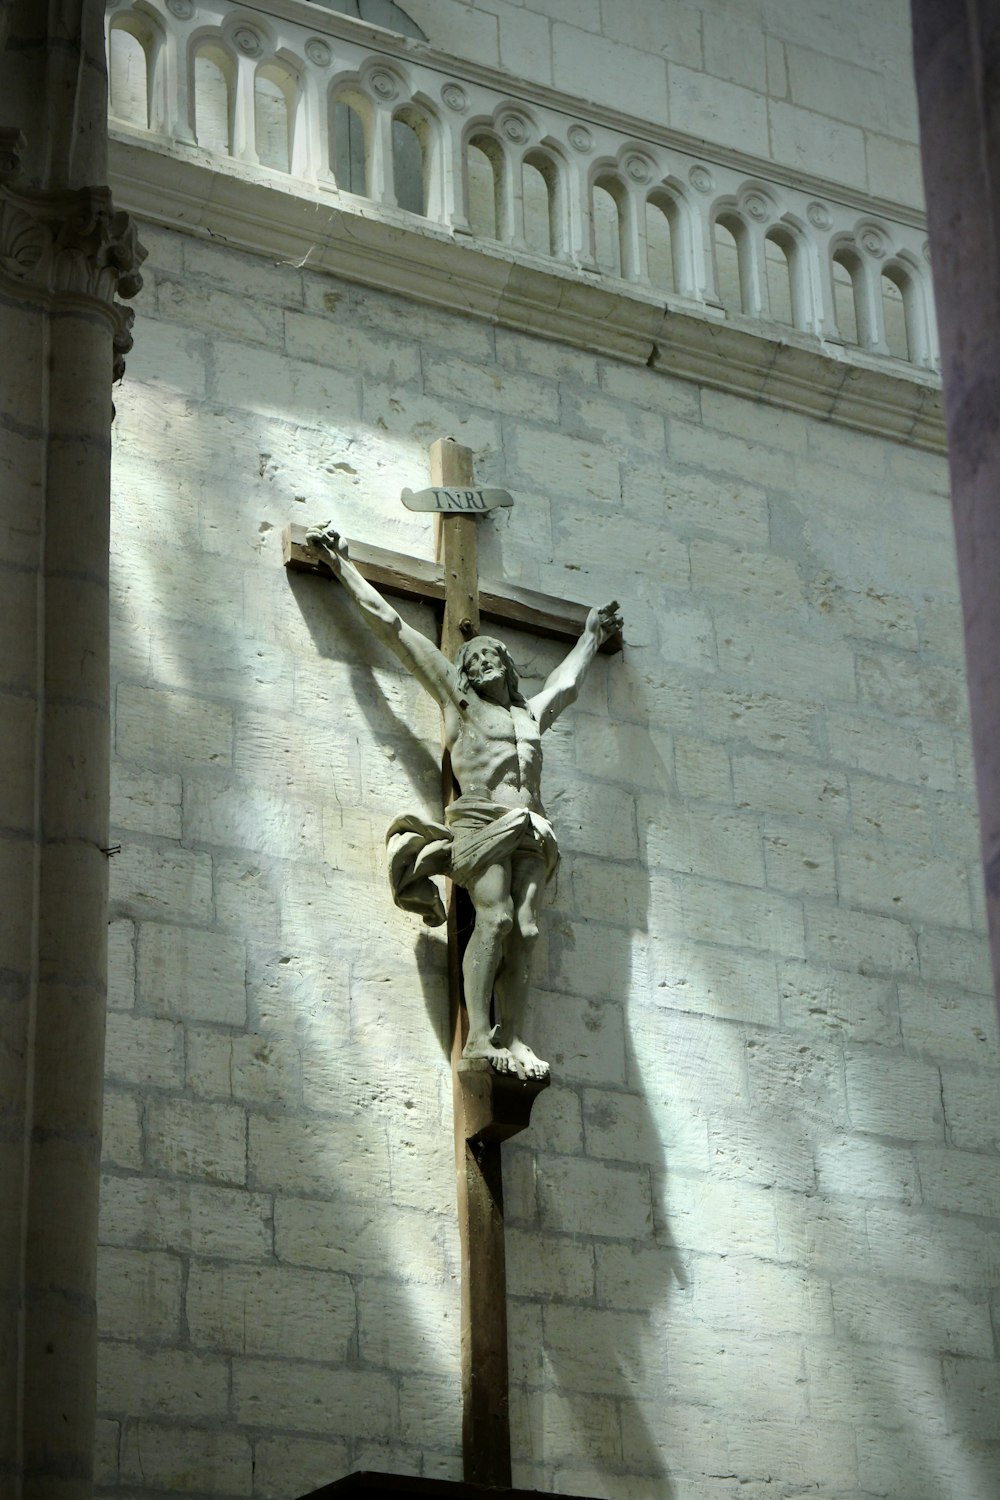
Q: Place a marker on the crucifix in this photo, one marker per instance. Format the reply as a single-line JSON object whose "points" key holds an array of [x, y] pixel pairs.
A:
{"points": [[497, 849]]}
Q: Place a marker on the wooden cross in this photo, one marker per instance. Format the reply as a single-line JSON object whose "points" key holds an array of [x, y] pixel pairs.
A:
{"points": [[489, 1107]]}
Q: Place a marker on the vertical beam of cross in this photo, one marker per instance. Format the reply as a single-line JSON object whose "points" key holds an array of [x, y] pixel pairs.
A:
{"points": [[485, 1391]]}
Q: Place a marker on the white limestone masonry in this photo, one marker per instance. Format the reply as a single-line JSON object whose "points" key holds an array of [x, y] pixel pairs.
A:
{"points": [[754, 1226]]}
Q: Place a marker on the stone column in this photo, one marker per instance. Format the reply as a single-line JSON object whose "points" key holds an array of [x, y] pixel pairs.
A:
{"points": [[957, 60], [64, 255]]}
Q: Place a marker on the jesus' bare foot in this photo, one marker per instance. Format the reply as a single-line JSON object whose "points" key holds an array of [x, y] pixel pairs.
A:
{"points": [[516, 1060], [529, 1065]]}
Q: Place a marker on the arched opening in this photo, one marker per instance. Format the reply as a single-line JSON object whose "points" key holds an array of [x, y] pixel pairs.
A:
{"points": [[484, 171], [661, 237], [350, 148], [847, 296], [779, 251], [540, 186], [897, 313], [410, 141], [214, 98], [128, 77], [726, 234], [274, 101], [605, 208]]}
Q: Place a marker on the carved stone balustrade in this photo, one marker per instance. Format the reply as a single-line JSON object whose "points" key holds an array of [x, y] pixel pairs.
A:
{"points": [[521, 204]]}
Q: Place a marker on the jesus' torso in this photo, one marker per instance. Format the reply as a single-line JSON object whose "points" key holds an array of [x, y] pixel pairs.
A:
{"points": [[496, 752]]}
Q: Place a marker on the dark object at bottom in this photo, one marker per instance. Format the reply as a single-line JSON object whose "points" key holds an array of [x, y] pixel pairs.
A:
{"points": [[369, 1486]]}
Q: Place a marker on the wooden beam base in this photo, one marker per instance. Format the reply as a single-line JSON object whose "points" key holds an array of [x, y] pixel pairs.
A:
{"points": [[369, 1486], [415, 578], [495, 1105]]}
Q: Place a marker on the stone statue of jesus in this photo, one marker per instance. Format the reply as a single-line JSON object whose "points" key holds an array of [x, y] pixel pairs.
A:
{"points": [[497, 841]]}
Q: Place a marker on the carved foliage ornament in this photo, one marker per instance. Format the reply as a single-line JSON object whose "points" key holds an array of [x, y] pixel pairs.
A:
{"points": [[74, 244]]}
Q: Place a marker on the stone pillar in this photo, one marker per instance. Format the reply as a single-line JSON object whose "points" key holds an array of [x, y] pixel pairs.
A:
{"points": [[957, 60], [64, 255]]}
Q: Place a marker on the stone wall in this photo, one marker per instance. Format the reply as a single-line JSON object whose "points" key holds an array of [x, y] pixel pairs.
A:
{"points": [[826, 89], [756, 1224]]}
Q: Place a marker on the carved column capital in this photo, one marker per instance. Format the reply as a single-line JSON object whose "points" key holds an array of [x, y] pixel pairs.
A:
{"points": [[72, 245]]}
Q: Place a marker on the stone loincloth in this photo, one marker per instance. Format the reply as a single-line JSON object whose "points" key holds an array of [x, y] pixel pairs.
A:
{"points": [[477, 833]]}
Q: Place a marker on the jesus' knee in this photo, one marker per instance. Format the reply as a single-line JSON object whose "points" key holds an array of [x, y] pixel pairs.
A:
{"points": [[495, 921]]}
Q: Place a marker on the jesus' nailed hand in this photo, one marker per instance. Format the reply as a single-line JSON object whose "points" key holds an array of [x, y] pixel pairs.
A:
{"points": [[497, 842]]}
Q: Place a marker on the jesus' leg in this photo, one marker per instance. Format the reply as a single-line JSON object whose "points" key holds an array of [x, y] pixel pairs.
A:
{"points": [[484, 955], [514, 977]]}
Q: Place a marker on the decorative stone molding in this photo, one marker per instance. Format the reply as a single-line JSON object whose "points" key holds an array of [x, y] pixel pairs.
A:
{"points": [[797, 371], [12, 144], [73, 245], [611, 180]]}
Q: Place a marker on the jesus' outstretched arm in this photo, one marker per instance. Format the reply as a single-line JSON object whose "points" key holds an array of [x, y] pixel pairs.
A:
{"points": [[430, 667]]}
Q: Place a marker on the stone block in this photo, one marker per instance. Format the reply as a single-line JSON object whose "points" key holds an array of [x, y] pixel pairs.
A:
{"points": [[358, 1239], [405, 1334], [173, 1383], [544, 1266], [791, 789], [705, 1212], [142, 1050], [579, 57], [825, 1236], [789, 1451], [827, 1001], [755, 1297], [666, 395], [284, 1465], [190, 1139], [139, 1295], [165, 884], [948, 1024], [290, 1397], [164, 729], [812, 142], [955, 958], [717, 982], [880, 875], [896, 1096], [855, 940], [580, 469], [746, 1375], [189, 1217], [691, 502], [292, 1314], [251, 1069], [590, 1197], [866, 1169], [933, 1247], [702, 770], [741, 917], [199, 305], [638, 1128], [879, 1386], [187, 1459], [910, 688], [145, 801], [121, 1135], [275, 385], [889, 808], [716, 109], [798, 860], [755, 580], [917, 1317], [961, 1182], [894, 168], [192, 972], [601, 1352], [765, 1148], [121, 965], [735, 52], [328, 1157], [763, 720], [495, 388]]}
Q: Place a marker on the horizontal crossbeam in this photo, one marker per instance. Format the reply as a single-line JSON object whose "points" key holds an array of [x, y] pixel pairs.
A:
{"points": [[415, 578]]}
